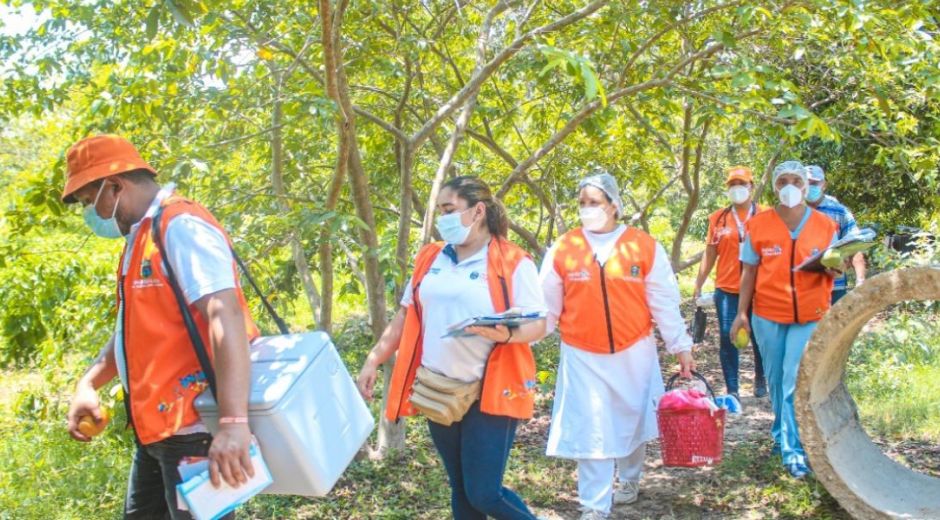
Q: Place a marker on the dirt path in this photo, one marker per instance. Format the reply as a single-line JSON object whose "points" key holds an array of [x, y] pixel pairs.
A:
{"points": [[708, 493], [667, 493]]}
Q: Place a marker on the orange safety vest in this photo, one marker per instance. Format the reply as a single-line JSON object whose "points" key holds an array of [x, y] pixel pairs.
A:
{"points": [[781, 294], [604, 309], [509, 376], [163, 373], [723, 234]]}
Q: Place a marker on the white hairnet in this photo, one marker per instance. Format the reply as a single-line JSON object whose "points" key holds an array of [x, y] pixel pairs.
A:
{"points": [[608, 184], [791, 168]]}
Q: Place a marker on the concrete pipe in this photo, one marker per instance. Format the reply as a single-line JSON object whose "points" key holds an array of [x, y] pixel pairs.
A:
{"points": [[854, 470]]}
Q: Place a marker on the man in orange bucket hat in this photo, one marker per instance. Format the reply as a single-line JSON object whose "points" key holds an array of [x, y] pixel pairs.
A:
{"points": [[152, 349]]}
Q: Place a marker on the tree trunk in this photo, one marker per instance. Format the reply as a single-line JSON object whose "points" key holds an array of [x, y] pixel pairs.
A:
{"points": [[390, 435], [690, 182], [406, 157], [339, 176], [277, 182]]}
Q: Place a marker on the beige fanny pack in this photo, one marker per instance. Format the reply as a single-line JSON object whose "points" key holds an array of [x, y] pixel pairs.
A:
{"points": [[442, 399]]}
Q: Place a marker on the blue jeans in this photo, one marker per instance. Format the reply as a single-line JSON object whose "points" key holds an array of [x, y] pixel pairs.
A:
{"points": [[475, 451], [782, 346], [151, 492], [726, 306], [837, 294]]}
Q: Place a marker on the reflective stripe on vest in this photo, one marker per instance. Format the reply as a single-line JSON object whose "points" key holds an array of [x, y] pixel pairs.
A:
{"points": [[509, 377], [604, 308], [164, 376], [780, 294]]}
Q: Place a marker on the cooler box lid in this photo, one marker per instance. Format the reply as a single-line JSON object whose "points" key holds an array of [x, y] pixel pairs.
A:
{"points": [[277, 362]]}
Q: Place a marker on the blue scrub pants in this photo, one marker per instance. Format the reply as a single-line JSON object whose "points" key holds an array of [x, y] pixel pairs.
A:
{"points": [[781, 346]]}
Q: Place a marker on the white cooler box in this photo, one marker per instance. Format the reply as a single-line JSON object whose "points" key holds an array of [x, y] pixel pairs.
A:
{"points": [[305, 411]]}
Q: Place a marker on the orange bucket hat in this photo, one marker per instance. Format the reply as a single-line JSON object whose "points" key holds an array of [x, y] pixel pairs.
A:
{"points": [[99, 157], [739, 173]]}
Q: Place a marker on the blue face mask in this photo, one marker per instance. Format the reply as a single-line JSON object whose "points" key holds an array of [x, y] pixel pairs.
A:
{"points": [[103, 227], [815, 193], [452, 229]]}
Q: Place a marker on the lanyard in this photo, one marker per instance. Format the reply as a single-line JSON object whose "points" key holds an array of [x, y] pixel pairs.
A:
{"points": [[734, 213]]}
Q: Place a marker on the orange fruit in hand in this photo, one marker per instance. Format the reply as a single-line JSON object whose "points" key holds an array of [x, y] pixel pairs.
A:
{"points": [[89, 428]]}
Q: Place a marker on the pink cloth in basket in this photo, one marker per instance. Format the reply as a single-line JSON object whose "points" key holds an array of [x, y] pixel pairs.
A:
{"points": [[685, 399]]}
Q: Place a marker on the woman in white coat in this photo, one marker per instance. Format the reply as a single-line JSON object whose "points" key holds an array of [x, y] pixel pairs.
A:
{"points": [[605, 285]]}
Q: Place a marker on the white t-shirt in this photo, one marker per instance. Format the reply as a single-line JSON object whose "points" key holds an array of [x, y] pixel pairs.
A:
{"points": [[454, 291], [201, 260]]}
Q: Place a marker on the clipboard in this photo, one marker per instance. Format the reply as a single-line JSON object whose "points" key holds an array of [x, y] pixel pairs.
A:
{"points": [[847, 247], [512, 318]]}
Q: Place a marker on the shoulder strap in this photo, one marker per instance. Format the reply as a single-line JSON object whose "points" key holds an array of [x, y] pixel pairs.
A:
{"points": [[201, 352]]}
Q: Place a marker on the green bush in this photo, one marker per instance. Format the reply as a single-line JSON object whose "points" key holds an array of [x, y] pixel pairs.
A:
{"points": [[54, 302], [894, 373]]}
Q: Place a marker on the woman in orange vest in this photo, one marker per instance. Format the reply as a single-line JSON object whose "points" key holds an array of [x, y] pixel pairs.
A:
{"points": [[725, 234], [475, 272], [787, 303], [605, 284]]}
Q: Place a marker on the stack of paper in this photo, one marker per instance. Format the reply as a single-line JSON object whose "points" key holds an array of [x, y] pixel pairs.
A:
{"points": [[206, 502], [847, 247], [511, 318]]}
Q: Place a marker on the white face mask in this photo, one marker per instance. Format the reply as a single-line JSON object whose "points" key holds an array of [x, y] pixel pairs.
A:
{"points": [[103, 227], [593, 218], [790, 196], [452, 229], [739, 194]]}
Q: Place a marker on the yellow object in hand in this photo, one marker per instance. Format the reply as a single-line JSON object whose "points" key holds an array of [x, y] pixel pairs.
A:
{"points": [[89, 427], [741, 339], [832, 259]]}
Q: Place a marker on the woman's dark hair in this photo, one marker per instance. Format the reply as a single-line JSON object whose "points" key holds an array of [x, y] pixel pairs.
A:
{"points": [[473, 190]]}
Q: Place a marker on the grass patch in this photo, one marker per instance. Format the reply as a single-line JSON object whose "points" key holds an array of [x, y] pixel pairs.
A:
{"points": [[894, 374], [44, 474]]}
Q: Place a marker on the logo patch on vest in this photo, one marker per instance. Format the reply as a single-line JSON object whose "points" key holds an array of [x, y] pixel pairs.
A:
{"points": [[530, 387], [771, 251], [196, 382], [145, 270], [635, 271], [146, 282], [578, 276]]}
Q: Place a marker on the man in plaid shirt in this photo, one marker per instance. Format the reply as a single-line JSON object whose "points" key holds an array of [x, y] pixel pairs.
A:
{"points": [[837, 211]]}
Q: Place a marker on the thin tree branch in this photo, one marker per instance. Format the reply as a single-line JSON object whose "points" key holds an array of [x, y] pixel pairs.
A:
{"points": [[476, 81], [666, 30]]}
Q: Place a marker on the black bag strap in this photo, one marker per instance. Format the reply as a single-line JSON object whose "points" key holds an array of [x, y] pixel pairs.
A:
{"points": [[194, 336], [671, 383], [198, 345], [281, 324]]}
